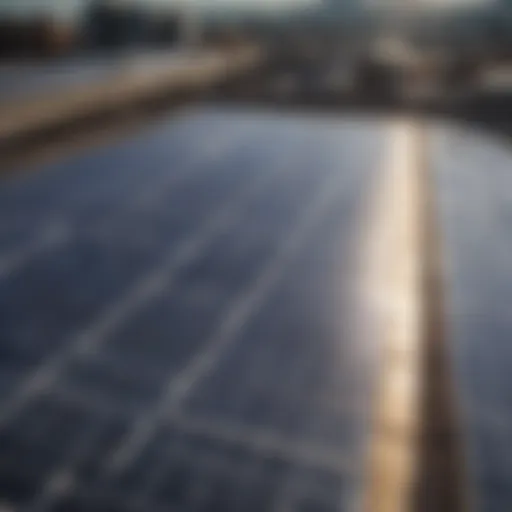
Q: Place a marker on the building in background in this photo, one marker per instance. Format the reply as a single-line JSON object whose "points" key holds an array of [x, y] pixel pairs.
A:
{"points": [[111, 24], [37, 37], [114, 24]]}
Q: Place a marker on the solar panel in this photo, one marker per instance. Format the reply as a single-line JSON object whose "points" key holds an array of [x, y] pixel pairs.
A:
{"points": [[173, 322], [472, 173]]}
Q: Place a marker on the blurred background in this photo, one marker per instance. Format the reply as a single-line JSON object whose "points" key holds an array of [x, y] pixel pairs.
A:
{"points": [[255, 255]]}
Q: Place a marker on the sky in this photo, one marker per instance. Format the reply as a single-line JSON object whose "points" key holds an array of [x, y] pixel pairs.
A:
{"points": [[69, 8]]}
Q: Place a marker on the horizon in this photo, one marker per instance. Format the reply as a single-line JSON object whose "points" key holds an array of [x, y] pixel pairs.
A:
{"points": [[70, 9]]}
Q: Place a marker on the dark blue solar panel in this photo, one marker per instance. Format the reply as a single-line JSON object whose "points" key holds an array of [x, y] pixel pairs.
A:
{"points": [[473, 176], [182, 342]]}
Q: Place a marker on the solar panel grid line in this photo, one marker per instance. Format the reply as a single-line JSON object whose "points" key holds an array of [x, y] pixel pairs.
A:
{"points": [[164, 450], [144, 289], [261, 440], [65, 480], [237, 474], [242, 308], [57, 485], [57, 232], [251, 383], [296, 409], [294, 488], [206, 468], [42, 452], [265, 440]]}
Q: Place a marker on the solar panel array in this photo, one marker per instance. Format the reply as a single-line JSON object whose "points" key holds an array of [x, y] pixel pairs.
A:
{"points": [[174, 325]]}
